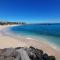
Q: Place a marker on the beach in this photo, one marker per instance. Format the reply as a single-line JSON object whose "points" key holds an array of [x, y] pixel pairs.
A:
{"points": [[7, 41]]}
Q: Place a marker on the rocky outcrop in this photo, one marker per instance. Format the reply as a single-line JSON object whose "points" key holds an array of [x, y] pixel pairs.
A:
{"points": [[22, 53]]}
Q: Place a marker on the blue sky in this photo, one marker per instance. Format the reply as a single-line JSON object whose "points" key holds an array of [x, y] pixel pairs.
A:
{"points": [[30, 11]]}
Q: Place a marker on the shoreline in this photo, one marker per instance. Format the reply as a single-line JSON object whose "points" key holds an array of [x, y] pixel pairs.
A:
{"points": [[54, 46], [26, 42]]}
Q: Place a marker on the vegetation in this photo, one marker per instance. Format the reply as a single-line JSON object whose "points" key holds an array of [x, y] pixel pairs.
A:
{"points": [[11, 23]]}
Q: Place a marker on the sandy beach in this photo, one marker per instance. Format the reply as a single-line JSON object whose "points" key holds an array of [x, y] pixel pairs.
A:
{"points": [[7, 41]]}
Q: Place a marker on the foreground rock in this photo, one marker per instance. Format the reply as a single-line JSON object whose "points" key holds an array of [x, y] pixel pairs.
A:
{"points": [[22, 53]]}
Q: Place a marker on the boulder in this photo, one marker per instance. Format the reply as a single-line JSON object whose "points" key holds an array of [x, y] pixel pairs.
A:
{"points": [[23, 53]]}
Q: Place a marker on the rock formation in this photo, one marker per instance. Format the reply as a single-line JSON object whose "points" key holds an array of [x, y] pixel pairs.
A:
{"points": [[23, 53]]}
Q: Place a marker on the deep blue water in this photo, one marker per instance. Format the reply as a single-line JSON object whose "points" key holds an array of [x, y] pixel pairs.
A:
{"points": [[49, 32]]}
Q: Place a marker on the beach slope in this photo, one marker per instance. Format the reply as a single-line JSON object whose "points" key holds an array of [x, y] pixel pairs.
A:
{"points": [[7, 41]]}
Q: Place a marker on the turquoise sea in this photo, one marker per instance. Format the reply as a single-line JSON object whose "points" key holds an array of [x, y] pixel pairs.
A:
{"points": [[49, 33]]}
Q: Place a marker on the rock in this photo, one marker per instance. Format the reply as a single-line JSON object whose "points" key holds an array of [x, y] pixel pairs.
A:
{"points": [[2, 51], [36, 51], [9, 52], [51, 58], [22, 53], [45, 56], [39, 51], [9, 58], [18, 48], [32, 47], [1, 57]]}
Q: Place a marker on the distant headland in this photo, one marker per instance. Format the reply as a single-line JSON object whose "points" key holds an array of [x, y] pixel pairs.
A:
{"points": [[11, 23]]}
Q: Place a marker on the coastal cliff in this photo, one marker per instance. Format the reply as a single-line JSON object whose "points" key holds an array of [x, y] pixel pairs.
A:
{"points": [[23, 53]]}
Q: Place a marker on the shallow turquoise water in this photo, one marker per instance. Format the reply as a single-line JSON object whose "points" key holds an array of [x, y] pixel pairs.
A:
{"points": [[49, 33]]}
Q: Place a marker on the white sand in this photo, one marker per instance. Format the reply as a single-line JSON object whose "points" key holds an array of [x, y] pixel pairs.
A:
{"points": [[8, 41]]}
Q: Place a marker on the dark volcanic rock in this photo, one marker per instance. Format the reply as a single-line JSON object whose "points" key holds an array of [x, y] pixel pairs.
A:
{"points": [[22, 53], [45, 56], [51, 58]]}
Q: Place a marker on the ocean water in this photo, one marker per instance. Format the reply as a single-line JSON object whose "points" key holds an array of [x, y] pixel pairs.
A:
{"points": [[50, 33]]}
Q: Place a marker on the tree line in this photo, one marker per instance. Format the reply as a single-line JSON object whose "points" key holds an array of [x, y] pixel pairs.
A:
{"points": [[11, 23]]}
